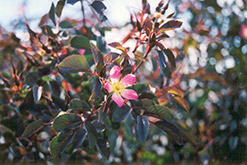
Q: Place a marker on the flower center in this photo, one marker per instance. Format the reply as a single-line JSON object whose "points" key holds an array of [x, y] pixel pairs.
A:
{"points": [[118, 87]]}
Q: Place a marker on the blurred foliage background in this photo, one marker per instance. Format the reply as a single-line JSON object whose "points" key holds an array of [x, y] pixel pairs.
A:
{"points": [[210, 49], [215, 77]]}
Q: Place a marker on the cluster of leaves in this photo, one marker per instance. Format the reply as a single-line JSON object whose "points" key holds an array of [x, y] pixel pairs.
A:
{"points": [[53, 100]]}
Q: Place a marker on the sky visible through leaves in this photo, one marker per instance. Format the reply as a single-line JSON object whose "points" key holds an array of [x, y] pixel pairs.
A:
{"points": [[117, 10]]}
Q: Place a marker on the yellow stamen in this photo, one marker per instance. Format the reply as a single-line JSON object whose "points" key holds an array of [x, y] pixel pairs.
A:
{"points": [[117, 87]]}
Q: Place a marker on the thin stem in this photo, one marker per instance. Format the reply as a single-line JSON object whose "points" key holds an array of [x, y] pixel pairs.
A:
{"points": [[145, 56], [137, 43], [83, 13]]}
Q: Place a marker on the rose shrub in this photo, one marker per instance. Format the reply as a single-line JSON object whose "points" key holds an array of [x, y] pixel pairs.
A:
{"points": [[68, 95]]}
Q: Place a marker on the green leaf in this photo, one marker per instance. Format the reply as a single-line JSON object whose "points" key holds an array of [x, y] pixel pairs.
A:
{"points": [[31, 78], [52, 13], [79, 105], [20, 67], [59, 143], [188, 134], [33, 127], [43, 21], [66, 24], [4, 129], [59, 102], [99, 126], [172, 130], [44, 71], [146, 103], [170, 56], [72, 2], [28, 103], [92, 134], [66, 121], [163, 64], [103, 112], [139, 88], [158, 111], [154, 63], [99, 60], [47, 78], [120, 113], [79, 138], [103, 147], [142, 128], [74, 63], [59, 7], [37, 92], [99, 7], [96, 91], [101, 43], [117, 46], [46, 29], [182, 102], [175, 91], [148, 95], [142, 104], [80, 42], [233, 142], [55, 88]]}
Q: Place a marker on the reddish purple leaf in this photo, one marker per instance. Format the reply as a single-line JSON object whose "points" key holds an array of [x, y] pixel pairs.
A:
{"points": [[172, 24]]}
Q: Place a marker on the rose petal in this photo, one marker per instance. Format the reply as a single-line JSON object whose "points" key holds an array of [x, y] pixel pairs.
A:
{"points": [[128, 80], [115, 72], [129, 94], [152, 119], [81, 51], [118, 99], [243, 32], [108, 87]]}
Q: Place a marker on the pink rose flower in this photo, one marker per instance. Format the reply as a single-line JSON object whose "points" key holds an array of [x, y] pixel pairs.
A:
{"points": [[118, 87], [243, 32]]}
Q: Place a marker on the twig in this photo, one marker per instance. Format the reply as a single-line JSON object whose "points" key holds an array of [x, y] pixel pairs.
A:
{"points": [[83, 13]]}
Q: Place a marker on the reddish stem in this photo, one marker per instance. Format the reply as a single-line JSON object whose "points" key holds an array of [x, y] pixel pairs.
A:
{"points": [[148, 49]]}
